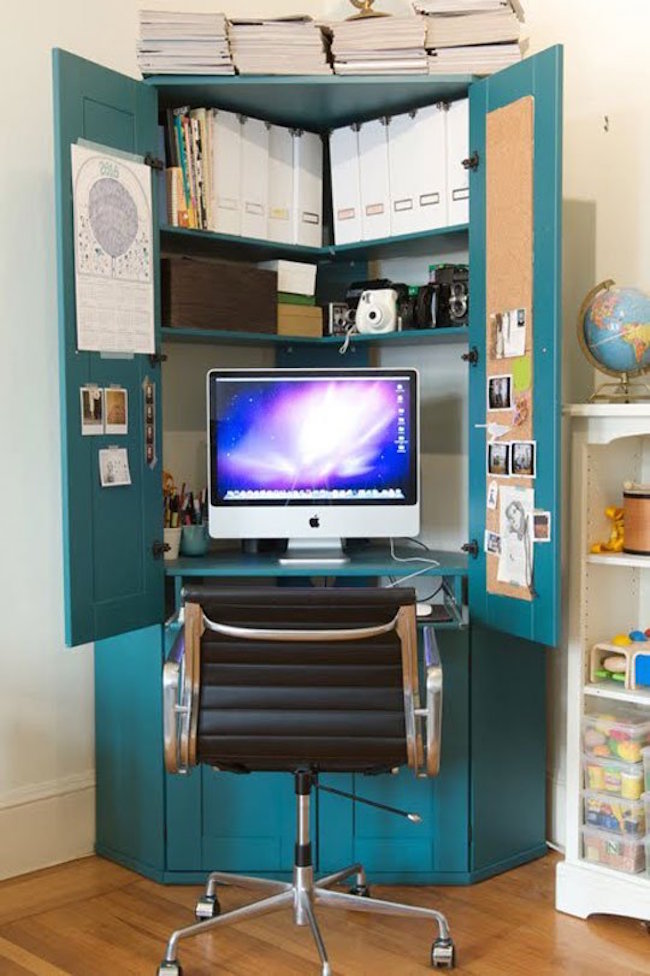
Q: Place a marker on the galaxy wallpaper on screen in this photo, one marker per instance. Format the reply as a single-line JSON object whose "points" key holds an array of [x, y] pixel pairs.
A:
{"points": [[332, 439]]}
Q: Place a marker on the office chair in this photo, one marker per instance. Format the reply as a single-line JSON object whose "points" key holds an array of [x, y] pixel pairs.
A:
{"points": [[306, 681]]}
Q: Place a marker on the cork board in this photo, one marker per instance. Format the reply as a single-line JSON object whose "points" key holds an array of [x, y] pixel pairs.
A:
{"points": [[509, 286]]}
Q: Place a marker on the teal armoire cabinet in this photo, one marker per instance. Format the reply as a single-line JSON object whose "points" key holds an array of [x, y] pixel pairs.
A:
{"points": [[486, 810]]}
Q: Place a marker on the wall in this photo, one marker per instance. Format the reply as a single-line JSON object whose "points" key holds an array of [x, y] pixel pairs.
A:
{"points": [[46, 701]]}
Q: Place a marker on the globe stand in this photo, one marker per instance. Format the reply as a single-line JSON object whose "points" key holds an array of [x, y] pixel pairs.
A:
{"points": [[625, 391]]}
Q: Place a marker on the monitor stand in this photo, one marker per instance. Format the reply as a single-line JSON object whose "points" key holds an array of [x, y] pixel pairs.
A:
{"points": [[314, 552]]}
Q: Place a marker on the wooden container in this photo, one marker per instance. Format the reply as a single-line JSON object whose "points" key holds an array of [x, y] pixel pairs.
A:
{"points": [[228, 295], [300, 320], [636, 505]]}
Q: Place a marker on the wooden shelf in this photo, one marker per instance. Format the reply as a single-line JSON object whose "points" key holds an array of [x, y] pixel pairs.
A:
{"points": [[619, 559], [316, 103], [614, 692], [232, 337], [204, 243]]}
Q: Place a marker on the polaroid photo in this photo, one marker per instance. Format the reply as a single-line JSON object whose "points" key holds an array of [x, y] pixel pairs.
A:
{"points": [[498, 459], [514, 333], [114, 467], [523, 461], [148, 393], [116, 400], [492, 543], [499, 393], [149, 413], [493, 495], [541, 526], [92, 410]]}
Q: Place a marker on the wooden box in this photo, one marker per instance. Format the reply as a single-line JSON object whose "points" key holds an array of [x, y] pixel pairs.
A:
{"points": [[300, 320], [203, 294], [636, 506]]}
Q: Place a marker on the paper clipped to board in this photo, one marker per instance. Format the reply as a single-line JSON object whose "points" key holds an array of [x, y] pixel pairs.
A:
{"points": [[113, 247]]}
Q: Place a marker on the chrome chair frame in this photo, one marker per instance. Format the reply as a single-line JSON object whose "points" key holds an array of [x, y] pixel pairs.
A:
{"points": [[181, 675]]}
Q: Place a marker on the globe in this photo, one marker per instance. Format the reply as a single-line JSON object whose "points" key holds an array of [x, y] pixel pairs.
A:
{"points": [[614, 330]]}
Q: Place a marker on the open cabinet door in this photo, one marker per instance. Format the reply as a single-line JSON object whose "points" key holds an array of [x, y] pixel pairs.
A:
{"points": [[113, 581], [515, 260]]}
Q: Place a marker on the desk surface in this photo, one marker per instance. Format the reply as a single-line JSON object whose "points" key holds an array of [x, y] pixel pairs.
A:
{"points": [[373, 561]]}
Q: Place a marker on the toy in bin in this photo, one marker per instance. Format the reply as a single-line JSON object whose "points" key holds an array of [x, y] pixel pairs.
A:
{"points": [[614, 777], [621, 733], [626, 659], [619, 816], [615, 851]]}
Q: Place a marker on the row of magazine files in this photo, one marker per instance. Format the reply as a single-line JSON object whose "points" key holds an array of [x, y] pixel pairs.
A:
{"points": [[237, 175]]}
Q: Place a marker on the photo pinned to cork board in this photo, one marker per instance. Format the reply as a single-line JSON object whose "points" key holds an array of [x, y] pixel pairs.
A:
{"points": [[512, 459]]}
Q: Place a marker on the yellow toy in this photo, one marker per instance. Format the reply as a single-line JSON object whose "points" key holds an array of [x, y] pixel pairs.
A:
{"points": [[616, 535]]}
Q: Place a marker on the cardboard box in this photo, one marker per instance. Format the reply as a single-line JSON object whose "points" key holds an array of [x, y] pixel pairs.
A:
{"points": [[293, 276], [300, 320], [203, 294]]}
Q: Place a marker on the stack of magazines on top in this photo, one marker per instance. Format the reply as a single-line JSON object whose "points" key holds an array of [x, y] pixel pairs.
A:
{"points": [[379, 46], [183, 43], [475, 37], [283, 46]]}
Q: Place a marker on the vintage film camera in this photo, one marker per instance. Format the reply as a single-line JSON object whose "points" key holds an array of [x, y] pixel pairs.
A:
{"points": [[449, 284], [340, 319]]}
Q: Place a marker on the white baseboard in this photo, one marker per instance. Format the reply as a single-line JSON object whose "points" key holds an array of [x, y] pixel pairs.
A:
{"points": [[46, 824]]}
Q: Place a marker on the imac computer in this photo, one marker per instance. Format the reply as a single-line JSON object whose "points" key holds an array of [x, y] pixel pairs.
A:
{"points": [[314, 456]]}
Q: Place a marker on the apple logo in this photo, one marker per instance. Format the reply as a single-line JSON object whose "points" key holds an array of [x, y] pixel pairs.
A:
{"points": [[314, 522]]}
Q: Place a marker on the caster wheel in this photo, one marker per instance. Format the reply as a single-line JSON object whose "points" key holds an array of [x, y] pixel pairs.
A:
{"points": [[207, 907], [362, 891], [443, 954], [168, 968]]}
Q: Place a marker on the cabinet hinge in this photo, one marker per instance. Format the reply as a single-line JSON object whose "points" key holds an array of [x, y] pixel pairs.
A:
{"points": [[153, 161], [159, 548], [157, 357], [471, 548], [471, 357], [472, 161]]}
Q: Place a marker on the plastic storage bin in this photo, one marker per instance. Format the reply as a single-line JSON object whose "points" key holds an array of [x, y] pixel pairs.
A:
{"points": [[613, 777], [622, 732], [615, 851], [615, 814]]}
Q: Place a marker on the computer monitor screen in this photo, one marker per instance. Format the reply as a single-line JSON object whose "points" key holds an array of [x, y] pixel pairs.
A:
{"points": [[313, 453]]}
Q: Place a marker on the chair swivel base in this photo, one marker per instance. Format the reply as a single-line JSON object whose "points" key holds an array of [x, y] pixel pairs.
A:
{"points": [[303, 896]]}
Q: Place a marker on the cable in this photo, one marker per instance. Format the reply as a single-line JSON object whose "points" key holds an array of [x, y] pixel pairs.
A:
{"points": [[411, 559]]}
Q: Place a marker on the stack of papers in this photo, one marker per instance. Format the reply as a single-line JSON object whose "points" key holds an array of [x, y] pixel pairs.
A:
{"points": [[467, 6], [481, 59], [475, 37], [498, 27], [379, 46], [183, 43], [284, 46]]}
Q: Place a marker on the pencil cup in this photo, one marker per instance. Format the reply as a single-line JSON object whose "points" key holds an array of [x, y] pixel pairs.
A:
{"points": [[172, 538], [195, 540]]}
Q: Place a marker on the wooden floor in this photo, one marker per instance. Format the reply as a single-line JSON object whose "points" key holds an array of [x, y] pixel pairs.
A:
{"points": [[92, 918]]}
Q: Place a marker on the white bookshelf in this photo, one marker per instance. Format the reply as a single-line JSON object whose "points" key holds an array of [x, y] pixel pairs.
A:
{"points": [[607, 594]]}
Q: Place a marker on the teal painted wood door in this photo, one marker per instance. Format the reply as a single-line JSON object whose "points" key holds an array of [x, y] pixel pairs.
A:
{"points": [[128, 749], [113, 584], [392, 848], [540, 77]]}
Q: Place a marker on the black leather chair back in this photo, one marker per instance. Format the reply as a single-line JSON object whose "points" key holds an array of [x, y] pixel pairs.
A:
{"points": [[325, 705]]}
